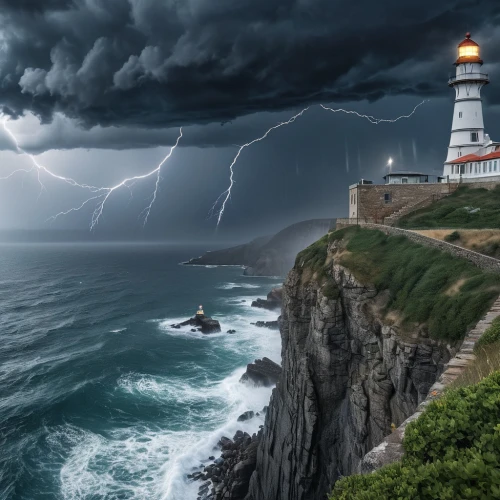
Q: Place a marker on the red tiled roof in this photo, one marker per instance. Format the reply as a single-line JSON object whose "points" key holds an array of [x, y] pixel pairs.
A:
{"points": [[475, 158], [466, 158]]}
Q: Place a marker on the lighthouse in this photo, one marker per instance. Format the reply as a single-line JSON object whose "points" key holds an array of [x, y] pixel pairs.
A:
{"points": [[471, 152]]}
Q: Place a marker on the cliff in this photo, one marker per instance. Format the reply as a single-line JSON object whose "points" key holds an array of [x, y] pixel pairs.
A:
{"points": [[363, 341], [269, 255]]}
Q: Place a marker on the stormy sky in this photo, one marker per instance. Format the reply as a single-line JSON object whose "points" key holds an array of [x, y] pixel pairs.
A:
{"points": [[98, 89]]}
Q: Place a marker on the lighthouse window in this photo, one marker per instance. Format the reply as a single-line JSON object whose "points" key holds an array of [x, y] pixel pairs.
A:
{"points": [[460, 114], [474, 137], [387, 197]]}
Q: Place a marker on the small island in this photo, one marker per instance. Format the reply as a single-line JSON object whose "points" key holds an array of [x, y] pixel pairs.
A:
{"points": [[202, 323]]}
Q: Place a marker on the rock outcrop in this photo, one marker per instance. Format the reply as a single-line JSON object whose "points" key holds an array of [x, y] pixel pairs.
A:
{"points": [[229, 475], [347, 377], [272, 325], [263, 372], [204, 324], [272, 302]]}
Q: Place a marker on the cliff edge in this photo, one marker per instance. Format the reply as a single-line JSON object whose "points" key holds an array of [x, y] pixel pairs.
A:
{"points": [[368, 323]]}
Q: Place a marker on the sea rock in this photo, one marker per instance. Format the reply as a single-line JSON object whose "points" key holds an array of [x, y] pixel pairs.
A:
{"points": [[205, 324], [272, 325], [231, 331], [263, 372], [246, 416], [273, 301]]}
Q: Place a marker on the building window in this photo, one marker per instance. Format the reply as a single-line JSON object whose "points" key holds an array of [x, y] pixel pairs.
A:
{"points": [[490, 167], [474, 137], [354, 198], [495, 166], [484, 167], [460, 114], [387, 197], [404, 180], [459, 154]]}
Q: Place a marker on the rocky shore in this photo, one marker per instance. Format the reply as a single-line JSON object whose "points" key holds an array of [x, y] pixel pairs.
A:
{"points": [[228, 476]]}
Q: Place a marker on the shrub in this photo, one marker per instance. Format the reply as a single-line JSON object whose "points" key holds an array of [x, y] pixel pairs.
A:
{"points": [[452, 451], [454, 236], [491, 335]]}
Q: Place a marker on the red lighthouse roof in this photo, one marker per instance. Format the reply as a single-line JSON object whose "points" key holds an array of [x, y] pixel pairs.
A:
{"points": [[468, 51]]}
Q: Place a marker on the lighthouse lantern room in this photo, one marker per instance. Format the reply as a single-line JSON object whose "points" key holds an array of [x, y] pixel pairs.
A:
{"points": [[471, 152]]}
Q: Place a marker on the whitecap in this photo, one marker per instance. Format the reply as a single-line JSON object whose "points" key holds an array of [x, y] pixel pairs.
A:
{"points": [[231, 286]]}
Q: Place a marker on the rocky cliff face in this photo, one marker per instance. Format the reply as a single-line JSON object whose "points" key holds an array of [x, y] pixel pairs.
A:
{"points": [[347, 376]]}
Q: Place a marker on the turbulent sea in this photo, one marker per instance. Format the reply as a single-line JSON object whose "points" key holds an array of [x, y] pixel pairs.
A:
{"points": [[99, 397]]}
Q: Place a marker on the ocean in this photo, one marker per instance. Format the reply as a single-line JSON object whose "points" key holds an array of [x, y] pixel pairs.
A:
{"points": [[99, 397]]}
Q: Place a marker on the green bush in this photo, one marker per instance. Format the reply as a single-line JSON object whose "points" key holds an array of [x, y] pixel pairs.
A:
{"points": [[491, 335], [454, 236], [452, 451]]}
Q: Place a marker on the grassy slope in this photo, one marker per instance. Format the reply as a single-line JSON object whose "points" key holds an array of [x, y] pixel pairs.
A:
{"points": [[426, 286], [452, 211]]}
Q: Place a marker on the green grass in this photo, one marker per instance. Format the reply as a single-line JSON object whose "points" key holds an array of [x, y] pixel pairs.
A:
{"points": [[454, 211], [451, 451], [486, 362], [419, 279], [490, 336]]}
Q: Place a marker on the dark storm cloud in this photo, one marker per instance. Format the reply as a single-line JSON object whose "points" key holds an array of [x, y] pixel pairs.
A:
{"points": [[153, 63]]}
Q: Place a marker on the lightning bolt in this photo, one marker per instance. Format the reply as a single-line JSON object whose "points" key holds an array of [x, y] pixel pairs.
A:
{"points": [[41, 168], [226, 195], [101, 194], [370, 118], [109, 191]]}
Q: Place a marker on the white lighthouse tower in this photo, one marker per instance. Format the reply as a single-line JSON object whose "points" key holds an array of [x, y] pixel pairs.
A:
{"points": [[469, 146]]}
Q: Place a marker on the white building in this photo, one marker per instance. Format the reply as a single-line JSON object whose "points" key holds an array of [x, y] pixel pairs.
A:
{"points": [[471, 152]]}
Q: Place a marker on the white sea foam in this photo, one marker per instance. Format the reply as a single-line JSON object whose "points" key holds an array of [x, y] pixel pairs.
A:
{"points": [[146, 462], [230, 286], [118, 330]]}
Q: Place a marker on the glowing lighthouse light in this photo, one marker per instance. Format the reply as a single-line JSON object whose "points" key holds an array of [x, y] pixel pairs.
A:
{"points": [[468, 50]]}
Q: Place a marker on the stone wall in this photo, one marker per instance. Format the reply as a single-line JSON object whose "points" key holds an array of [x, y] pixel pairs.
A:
{"points": [[391, 449], [481, 182], [479, 260], [372, 202]]}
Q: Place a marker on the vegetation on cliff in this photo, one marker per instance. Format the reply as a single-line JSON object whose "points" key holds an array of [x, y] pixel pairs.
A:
{"points": [[451, 451], [426, 286], [466, 208]]}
